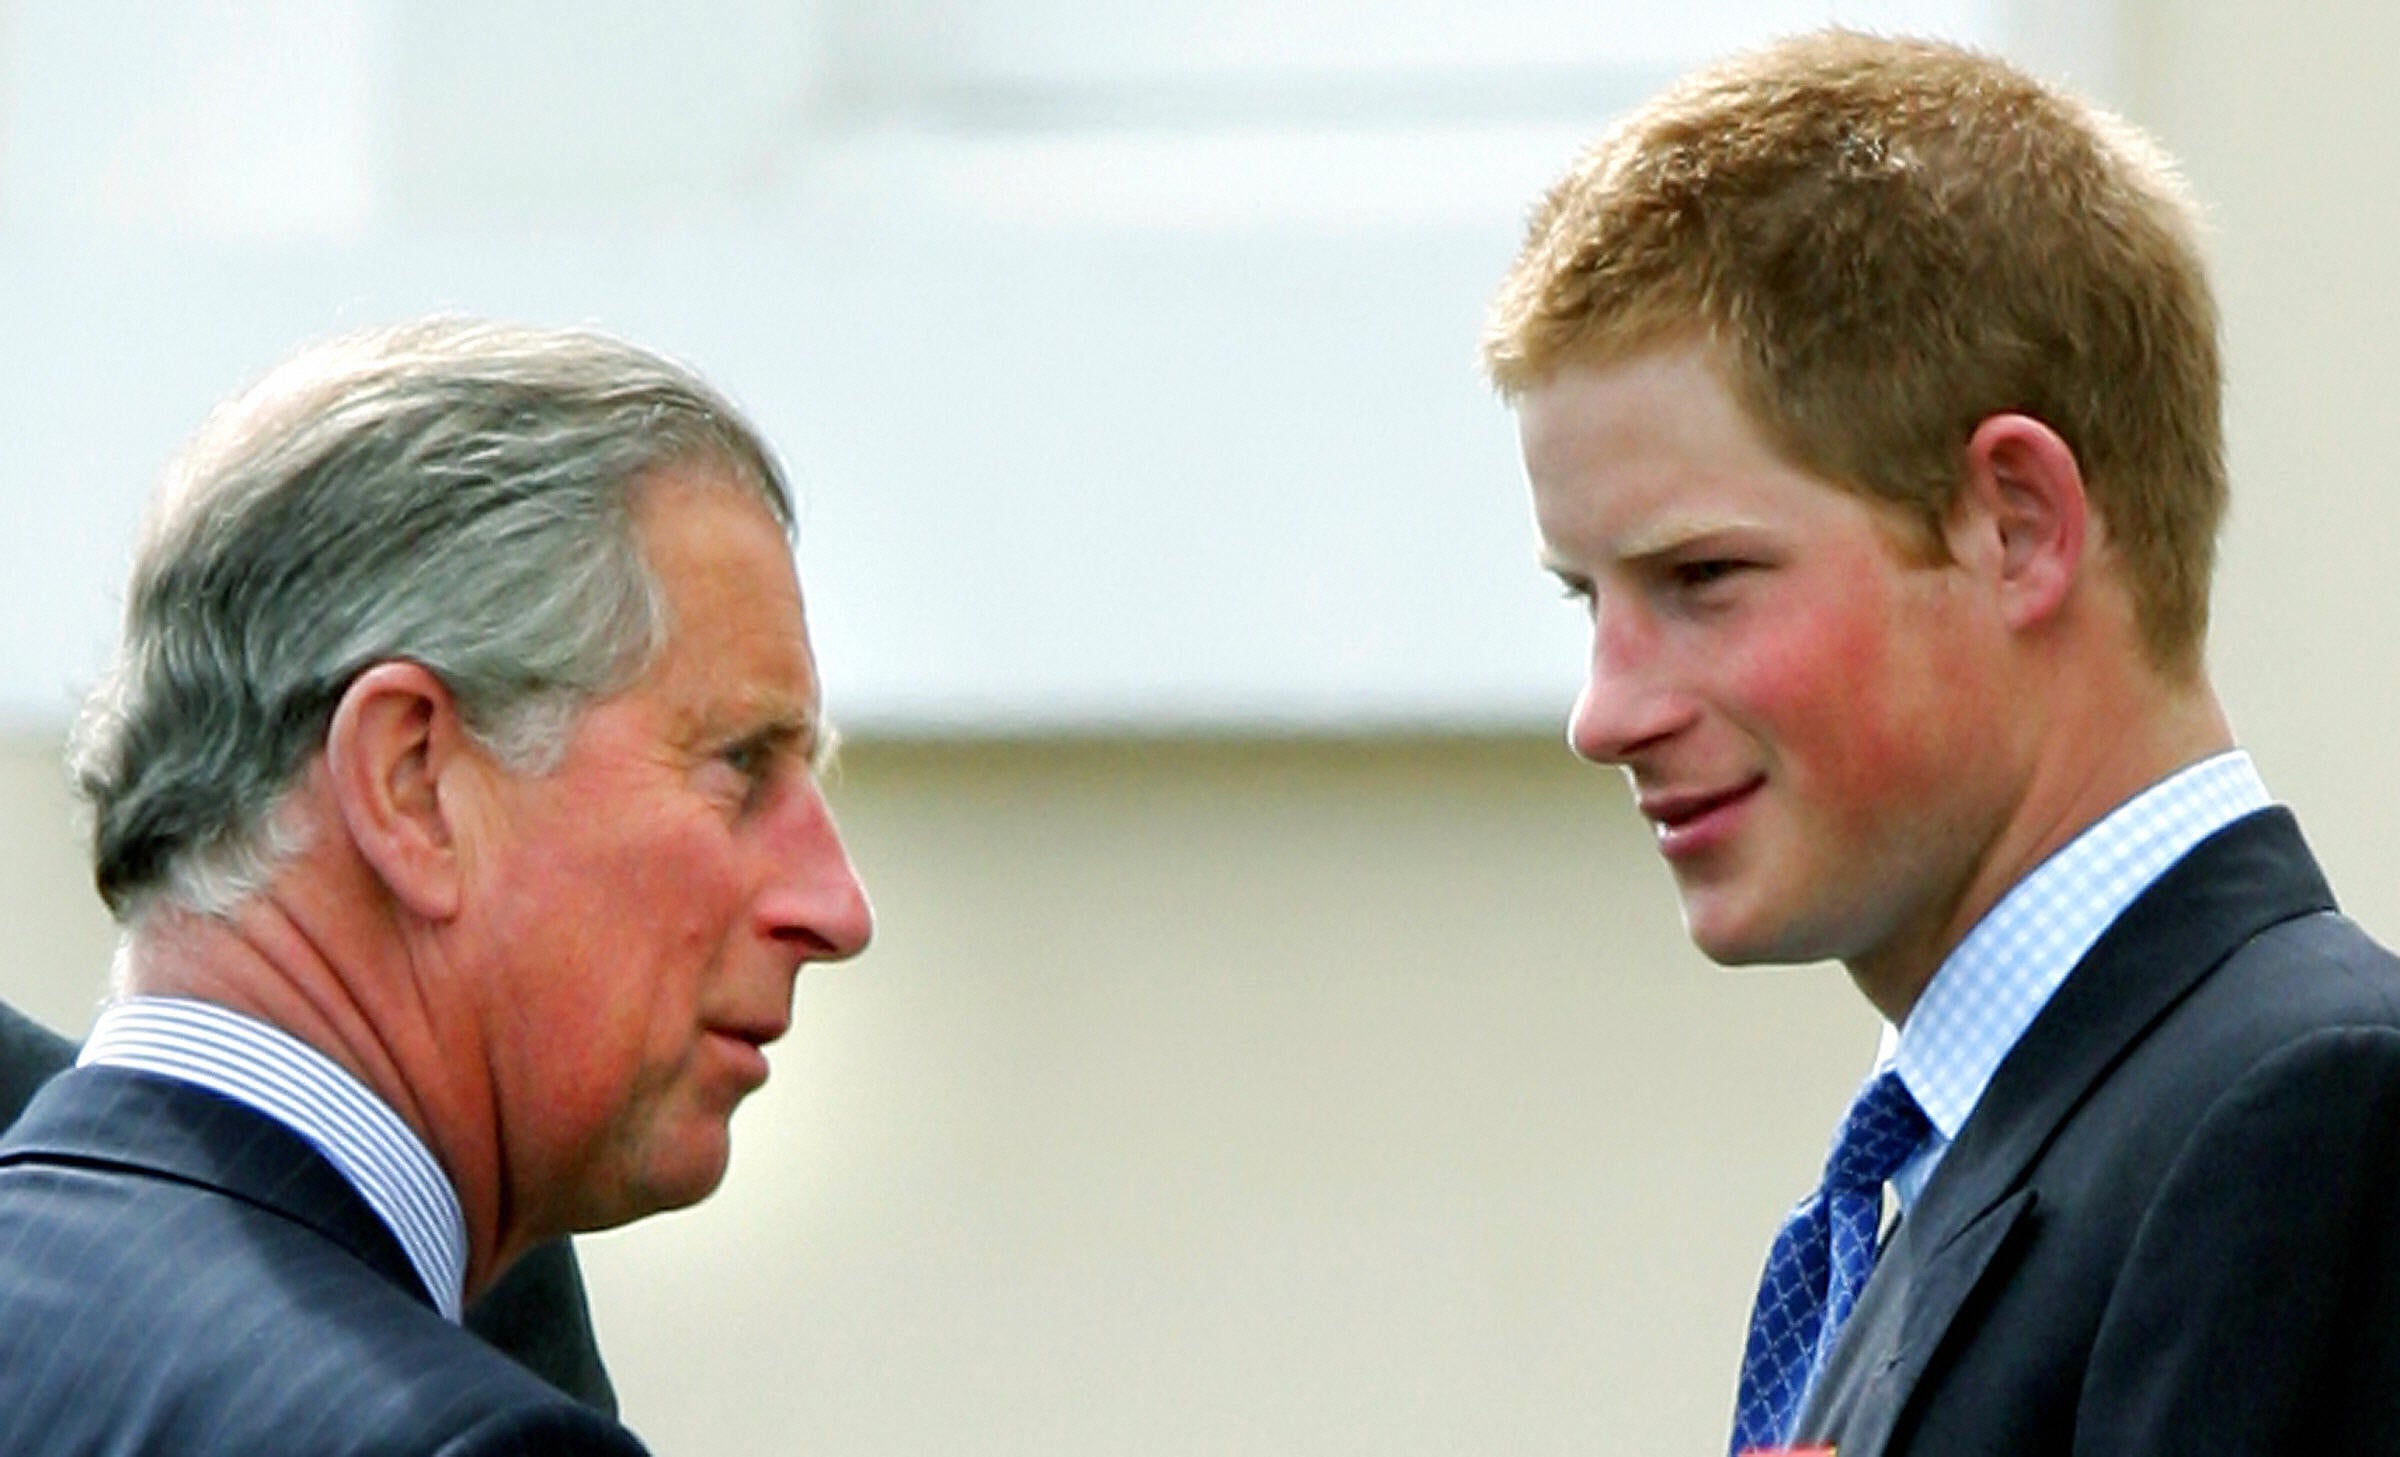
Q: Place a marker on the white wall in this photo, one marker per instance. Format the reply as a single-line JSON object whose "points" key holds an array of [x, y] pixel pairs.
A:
{"points": [[1125, 353]]}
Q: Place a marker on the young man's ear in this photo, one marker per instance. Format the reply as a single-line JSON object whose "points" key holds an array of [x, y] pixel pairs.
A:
{"points": [[2022, 511], [394, 733]]}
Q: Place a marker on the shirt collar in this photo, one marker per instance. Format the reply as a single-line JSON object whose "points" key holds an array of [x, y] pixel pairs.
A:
{"points": [[1992, 985], [291, 1082]]}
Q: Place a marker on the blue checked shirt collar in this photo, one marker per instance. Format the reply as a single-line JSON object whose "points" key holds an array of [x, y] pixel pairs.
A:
{"points": [[1990, 988], [285, 1079]]}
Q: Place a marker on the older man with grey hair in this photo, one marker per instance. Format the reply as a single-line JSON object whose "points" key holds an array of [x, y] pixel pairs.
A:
{"points": [[456, 791]]}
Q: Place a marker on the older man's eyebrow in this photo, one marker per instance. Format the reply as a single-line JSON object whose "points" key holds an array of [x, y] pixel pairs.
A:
{"points": [[806, 735], [796, 734], [825, 749]]}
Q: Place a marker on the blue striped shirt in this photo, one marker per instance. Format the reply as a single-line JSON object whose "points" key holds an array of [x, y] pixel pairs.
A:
{"points": [[299, 1087], [1989, 989]]}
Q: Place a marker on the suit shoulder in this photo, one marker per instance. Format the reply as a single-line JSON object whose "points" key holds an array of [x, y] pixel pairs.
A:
{"points": [[146, 1311], [2283, 989], [547, 1431], [2310, 972]]}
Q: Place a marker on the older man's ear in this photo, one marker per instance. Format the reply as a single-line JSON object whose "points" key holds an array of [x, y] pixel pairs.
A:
{"points": [[397, 767]]}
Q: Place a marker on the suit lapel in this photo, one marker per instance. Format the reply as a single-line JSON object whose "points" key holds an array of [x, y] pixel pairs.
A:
{"points": [[1899, 1323], [2246, 877], [159, 1127]]}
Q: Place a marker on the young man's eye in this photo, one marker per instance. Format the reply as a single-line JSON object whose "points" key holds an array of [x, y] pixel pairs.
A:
{"points": [[1707, 571]]}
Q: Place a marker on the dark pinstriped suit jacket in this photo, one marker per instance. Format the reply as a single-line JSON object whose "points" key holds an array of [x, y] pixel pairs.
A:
{"points": [[536, 1313], [179, 1274]]}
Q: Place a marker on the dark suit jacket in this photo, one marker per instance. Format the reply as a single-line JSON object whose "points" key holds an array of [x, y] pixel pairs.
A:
{"points": [[30, 1055], [536, 1312], [179, 1274], [2172, 1225]]}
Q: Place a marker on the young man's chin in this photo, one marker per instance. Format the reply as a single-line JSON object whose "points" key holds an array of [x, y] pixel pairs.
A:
{"points": [[1722, 944], [1740, 935]]}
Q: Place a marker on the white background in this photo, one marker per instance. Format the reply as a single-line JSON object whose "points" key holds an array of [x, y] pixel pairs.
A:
{"points": [[1124, 354]]}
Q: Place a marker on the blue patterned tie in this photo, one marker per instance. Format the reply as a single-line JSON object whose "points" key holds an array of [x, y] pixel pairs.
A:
{"points": [[1820, 1261]]}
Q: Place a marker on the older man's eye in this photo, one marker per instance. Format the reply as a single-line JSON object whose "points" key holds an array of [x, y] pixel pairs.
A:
{"points": [[753, 762]]}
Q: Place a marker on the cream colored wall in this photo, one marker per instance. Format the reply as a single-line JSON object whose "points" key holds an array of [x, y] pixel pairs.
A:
{"points": [[1307, 1098], [1204, 1099], [2284, 116]]}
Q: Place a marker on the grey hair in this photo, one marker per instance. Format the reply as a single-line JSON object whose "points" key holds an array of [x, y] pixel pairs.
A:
{"points": [[457, 494]]}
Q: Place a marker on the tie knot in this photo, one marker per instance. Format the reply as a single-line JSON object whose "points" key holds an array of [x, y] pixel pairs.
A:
{"points": [[1884, 1126]]}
